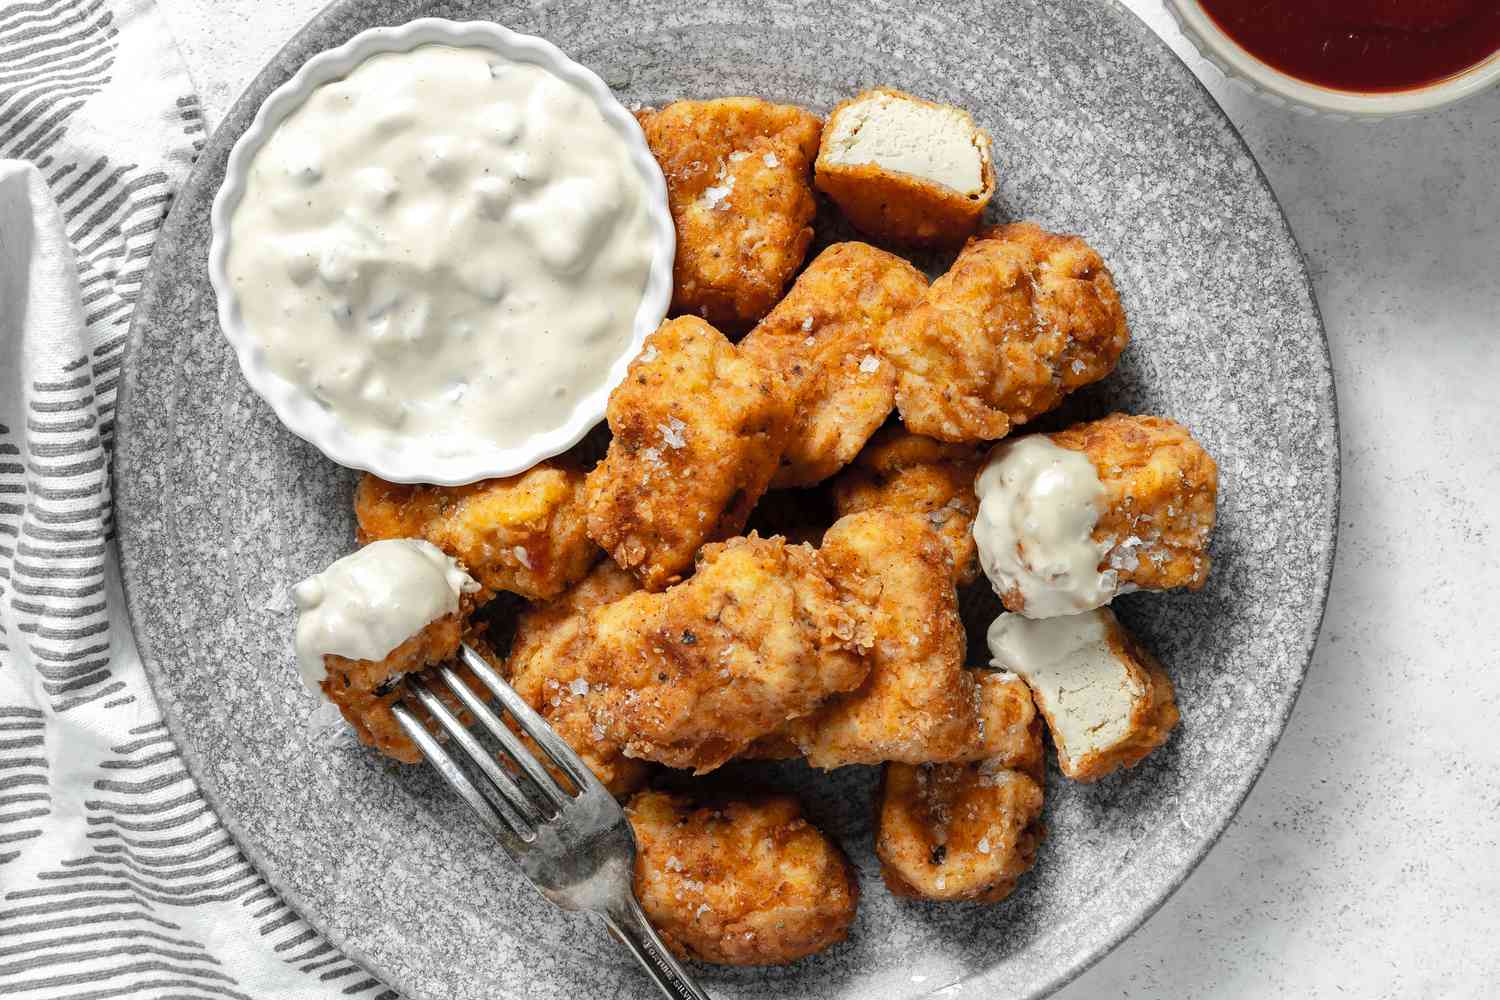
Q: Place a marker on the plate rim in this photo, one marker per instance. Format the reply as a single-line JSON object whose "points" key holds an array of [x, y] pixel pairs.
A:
{"points": [[974, 986]]}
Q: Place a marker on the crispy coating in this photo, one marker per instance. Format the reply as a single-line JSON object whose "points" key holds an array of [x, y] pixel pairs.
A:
{"points": [[1161, 490], [365, 690], [543, 670], [524, 534], [745, 881], [957, 832], [542, 624], [691, 677], [1010, 726], [1006, 724], [739, 184], [697, 432], [967, 829], [1022, 318], [919, 703], [825, 338], [902, 471], [896, 207]]}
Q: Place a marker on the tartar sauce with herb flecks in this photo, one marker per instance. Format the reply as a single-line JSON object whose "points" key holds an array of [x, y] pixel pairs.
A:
{"points": [[443, 245]]}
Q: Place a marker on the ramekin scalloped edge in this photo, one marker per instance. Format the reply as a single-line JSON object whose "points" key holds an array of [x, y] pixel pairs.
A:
{"points": [[298, 411]]}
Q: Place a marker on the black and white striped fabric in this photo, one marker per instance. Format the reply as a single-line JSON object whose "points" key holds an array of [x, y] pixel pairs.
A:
{"points": [[116, 878]]}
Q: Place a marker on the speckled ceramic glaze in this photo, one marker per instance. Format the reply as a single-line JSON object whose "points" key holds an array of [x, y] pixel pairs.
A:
{"points": [[1099, 130]]}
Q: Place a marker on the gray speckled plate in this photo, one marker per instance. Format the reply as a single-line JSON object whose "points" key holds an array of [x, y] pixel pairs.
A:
{"points": [[1099, 130]]}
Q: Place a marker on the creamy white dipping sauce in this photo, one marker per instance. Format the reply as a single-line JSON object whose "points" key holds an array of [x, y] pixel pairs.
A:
{"points": [[1038, 507], [372, 600], [443, 245], [1088, 693]]}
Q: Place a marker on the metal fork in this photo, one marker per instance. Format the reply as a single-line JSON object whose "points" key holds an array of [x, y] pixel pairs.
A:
{"points": [[575, 846]]}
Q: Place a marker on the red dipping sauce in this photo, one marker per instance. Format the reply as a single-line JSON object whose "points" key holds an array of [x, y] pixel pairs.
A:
{"points": [[1373, 46]]}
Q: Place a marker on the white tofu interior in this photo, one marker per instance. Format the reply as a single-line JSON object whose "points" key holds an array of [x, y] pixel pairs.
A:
{"points": [[936, 143], [1086, 690]]}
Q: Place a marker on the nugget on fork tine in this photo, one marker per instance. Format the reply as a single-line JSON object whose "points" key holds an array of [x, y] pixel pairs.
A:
{"points": [[574, 844]]}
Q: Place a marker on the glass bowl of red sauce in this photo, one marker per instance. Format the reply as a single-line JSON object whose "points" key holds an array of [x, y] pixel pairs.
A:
{"points": [[1372, 58]]}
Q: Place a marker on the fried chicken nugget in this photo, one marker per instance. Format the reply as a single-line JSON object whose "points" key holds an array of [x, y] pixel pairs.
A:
{"points": [[759, 635], [543, 667], [744, 881], [697, 431], [1108, 702], [919, 703], [906, 170], [1005, 724], [739, 184], [524, 534], [365, 690], [957, 832], [902, 471], [1010, 724], [967, 830], [1022, 318], [1161, 492], [825, 338]]}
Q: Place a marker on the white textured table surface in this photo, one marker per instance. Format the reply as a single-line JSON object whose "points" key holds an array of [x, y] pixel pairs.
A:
{"points": [[1366, 862]]}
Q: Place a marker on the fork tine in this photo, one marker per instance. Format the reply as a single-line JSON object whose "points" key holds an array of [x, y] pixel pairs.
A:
{"points": [[509, 792], [497, 817], [532, 724], [545, 782]]}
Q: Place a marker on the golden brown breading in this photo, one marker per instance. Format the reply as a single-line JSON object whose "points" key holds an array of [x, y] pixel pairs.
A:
{"points": [[919, 703], [697, 432], [966, 830], [745, 881], [898, 207], [1005, 724], [825, 338], [739, 184], [1022, 318], [1161, 489], [542, 624], [365, 690], [902, 471], [690, 677], [542, 668], [524, 534], [1010, 727], [957, 832]]}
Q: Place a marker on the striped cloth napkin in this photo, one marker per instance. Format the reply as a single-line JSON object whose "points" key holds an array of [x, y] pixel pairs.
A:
{"points": [[116, 878]]}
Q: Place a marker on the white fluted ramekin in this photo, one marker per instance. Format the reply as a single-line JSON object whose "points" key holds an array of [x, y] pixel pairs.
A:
{"points": [[1240, 66], [389, 455]]}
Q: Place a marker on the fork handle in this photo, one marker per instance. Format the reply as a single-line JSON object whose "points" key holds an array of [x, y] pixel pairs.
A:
{"points": [[629, 924]]}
